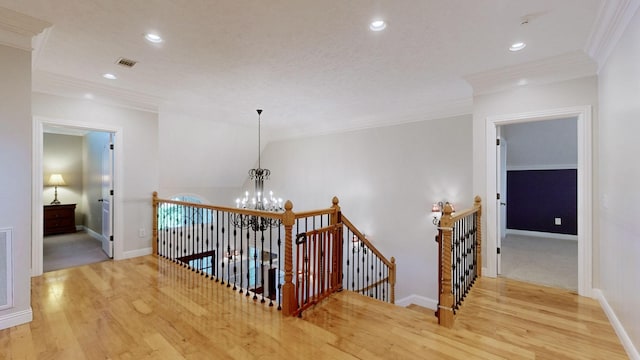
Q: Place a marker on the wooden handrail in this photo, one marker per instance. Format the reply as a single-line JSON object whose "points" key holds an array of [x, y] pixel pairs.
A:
{"points": [[362, 238], [265, 214]]}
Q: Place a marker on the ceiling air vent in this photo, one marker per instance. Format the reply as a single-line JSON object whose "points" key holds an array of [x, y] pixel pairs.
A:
{"points": [[126, 62]]}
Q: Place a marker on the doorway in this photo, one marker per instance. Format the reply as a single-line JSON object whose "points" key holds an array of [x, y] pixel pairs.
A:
{"points": [[584, 234], [537, 174], [73, 222], [42, 125]]}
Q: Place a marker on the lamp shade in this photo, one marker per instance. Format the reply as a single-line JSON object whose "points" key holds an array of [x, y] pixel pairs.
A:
{"points": [[56, 180]]}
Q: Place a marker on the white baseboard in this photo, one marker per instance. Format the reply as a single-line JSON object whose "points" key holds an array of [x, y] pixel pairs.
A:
{"points": [[92, 233], [485, 272], [617, 326], [137, 253], [16, 318], [418, 300], [542, 234]]}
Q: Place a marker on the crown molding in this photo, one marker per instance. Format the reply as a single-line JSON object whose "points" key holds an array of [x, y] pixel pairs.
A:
{"points": [[442, 110], [17, 29], [55, 84], [612, 19], [568, 66]]}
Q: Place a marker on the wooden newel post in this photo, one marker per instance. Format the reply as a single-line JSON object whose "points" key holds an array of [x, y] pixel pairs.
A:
{"points": [[154, 238], [392, 280], [336, 266], [478, 205], [289, 301], [445, 307]]}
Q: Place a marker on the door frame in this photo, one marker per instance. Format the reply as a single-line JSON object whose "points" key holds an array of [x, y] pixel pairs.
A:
{"points": [[36, 209], [585, 241]]}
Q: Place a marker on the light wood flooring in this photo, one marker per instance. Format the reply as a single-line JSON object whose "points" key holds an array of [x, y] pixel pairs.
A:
{"points": [[148, 308]]}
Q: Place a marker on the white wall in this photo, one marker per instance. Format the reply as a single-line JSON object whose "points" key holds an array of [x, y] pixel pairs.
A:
{"points": [[619, 86], [62, 154], [15, 181], [541, 145], [386, 179], [576, 92], [140, 162], [204, 156]]}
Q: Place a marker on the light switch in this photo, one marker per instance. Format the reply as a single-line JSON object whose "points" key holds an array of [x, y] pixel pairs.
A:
{"points": [[558, 221]]}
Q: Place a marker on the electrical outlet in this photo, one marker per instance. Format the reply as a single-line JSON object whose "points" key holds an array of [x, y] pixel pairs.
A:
{"points": [[558, 221], [142, 232]]}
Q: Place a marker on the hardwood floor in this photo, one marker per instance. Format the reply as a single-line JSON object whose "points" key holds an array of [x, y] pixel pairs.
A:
{"points": [[148, 308]]}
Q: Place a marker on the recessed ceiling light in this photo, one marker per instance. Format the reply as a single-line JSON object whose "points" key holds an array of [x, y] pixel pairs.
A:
{"points": [[154, 38], [109, 76], [88, 96], [377, 25], [517, 46]]}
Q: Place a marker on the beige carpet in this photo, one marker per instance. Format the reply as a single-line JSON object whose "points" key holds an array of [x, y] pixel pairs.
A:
{"points": [[68, 250], [542, 261]]}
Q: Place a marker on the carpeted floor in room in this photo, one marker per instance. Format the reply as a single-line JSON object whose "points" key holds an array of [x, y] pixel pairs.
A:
{"points": [[544, 261], [68, 250]]}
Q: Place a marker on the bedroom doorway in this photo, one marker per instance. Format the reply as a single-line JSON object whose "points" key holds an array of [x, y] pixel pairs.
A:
{"points": [[584, 187], [90, 221], [538, 202]]}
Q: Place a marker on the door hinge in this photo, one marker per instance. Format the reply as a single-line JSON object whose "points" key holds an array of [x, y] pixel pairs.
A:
{"points": [[111, 239], [497, 142], [111, 146], [111, 192], [498, 251], [497, 196]]}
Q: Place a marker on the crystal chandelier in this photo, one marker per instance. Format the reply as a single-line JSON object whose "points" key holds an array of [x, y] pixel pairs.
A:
{"points": [[258, 200]]}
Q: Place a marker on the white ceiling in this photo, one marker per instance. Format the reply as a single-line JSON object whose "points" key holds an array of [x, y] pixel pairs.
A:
{"points": [[314, 66]]}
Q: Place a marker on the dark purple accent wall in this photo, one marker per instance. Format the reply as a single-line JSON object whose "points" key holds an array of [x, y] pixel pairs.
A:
{"points": [[536, 197]]}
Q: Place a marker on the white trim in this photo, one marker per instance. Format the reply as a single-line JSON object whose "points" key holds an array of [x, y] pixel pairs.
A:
{"points": [[56, 84], [585, 245], [92, 233], [541, 234], [17, 29], [572, 65], [617, 326], [542, 167], [118, 185], [9, 268], [612, 19], [136, 253], [16, 318], [418, 300]]}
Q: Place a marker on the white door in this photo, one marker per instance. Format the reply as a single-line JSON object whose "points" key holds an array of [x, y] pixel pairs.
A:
{"points": [[107, 197], [501, 176]]}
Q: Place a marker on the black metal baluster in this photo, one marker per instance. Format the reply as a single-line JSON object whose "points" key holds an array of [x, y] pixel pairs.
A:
{"points": [[279, 286], [218, 256], [255, 262], [242, 258], [235, 259], [264, 289], [224, 255], [248, 263], [229, 252], [269, 285]]}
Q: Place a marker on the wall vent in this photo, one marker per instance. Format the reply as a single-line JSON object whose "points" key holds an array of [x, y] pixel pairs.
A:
{"points": [[126, 62]]}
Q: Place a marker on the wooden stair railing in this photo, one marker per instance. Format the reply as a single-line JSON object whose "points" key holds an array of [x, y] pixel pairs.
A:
{"points": [[377, 277], [459, 257], [212, 241]]}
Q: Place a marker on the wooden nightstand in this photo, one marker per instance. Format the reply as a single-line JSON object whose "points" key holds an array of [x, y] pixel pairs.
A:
{"points": [[59, 219]]}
